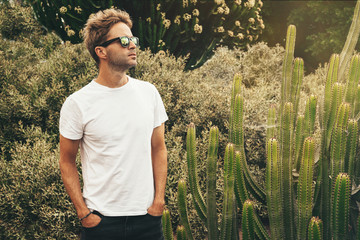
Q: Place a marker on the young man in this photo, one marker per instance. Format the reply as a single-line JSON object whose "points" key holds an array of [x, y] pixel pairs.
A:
{"points": [[118, 123]]}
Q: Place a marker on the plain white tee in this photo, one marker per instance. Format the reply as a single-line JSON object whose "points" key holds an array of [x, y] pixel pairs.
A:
{"points": [[115, 126]]}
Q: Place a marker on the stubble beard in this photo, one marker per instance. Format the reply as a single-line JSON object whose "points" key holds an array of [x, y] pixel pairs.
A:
{"points": [[119, 65]]}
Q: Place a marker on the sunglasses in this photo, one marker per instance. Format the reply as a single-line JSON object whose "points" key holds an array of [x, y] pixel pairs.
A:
{"points": [[124, 41]]}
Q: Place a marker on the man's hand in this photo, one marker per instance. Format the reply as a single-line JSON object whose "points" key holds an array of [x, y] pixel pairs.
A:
{"points": [[91, 221], [156, 209]]}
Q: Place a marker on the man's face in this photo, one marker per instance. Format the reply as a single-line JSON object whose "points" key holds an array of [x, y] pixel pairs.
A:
{"points": [[119, 57]]}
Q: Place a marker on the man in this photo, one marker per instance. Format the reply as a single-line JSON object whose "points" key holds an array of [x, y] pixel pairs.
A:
{"points": [[118, 123]]}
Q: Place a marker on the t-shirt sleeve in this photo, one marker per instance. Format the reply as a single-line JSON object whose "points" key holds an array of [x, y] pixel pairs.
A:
{"points": [[70, 125], [160, 115]]}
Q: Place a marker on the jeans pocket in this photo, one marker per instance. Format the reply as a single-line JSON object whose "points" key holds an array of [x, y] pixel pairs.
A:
{"points": [[96, 226]]}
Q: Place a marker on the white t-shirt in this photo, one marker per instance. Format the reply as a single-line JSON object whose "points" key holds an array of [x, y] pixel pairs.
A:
{"points": [[115, 126]]}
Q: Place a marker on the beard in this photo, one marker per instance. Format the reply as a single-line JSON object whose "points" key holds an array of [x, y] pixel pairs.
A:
{"points": [[120, 63]]}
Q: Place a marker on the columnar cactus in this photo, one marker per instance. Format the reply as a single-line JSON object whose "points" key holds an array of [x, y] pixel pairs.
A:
{"points": [[180, 233], [305, 188], [315, 230], [167, 228], [340, 206]]}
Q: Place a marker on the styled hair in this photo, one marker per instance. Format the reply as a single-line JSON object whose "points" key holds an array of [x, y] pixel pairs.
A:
{"points": [[98, 26]]}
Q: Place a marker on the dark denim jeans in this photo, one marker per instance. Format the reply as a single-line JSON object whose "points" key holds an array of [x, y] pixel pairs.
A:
{"points": [[145, 227]]}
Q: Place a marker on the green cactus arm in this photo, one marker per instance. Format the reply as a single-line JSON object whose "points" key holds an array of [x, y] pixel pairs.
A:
{"points": [[271, 124], [211, 184], [296, 82], [340, 206], [229, 198], [357, 103], [235, 91], [180, 233], [331, 78], [166, 223], [237, 122], [299, 139], [287, 65], [338, 140], [310, 115], [305, 188], [315, 229], [336, 100], [240, 188], [260, 231], [351, 40], [273, 198], [192, 166], [352, 142], [183, 208], [353, 80], [248, 221], [286, 170]]}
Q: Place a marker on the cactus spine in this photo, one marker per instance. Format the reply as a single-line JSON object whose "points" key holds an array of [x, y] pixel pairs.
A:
{"points": [[193, 179], [340, 206], [183, 209], [315, 230], [305, 188], [167, 228], [211, 184]]}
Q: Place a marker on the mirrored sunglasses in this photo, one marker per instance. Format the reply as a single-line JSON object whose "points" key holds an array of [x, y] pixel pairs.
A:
{"points": [[124, 41]]}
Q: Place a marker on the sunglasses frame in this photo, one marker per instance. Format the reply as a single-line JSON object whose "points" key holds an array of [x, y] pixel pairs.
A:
{"points": [[108, 42]]}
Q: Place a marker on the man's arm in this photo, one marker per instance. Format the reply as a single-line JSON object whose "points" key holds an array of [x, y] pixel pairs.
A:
{"points": [[70, 176], [159, 163]]}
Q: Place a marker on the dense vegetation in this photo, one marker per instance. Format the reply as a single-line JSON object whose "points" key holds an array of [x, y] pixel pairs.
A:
{"points": [[38, 71]]}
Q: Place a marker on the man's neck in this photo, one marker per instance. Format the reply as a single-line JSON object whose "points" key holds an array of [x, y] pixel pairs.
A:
{"points": [[110, 78]]}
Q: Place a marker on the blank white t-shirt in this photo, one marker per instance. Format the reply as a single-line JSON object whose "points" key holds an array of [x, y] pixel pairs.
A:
{"points": [[115, 126]]}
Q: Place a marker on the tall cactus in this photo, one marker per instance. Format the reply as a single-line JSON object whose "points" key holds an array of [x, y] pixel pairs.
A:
{"points": [[305, 188], [183, 208], [315, 230], [340, 206], [167, 227]]}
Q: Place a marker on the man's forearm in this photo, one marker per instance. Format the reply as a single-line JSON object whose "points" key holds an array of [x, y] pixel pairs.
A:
{"points": [[159, 159], [71, 181]]}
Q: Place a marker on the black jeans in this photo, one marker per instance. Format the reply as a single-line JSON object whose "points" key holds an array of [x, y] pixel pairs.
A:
{"points": [[145, 227]]}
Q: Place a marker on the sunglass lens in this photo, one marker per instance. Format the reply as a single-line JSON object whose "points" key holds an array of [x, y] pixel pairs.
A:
{"points": [[124, 41], [135, 40]]}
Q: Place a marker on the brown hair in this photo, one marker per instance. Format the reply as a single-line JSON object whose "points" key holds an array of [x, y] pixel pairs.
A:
{"points": [[98, 26]]}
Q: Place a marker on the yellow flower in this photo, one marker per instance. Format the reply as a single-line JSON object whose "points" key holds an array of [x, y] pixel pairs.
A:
{"points": [[230, 33], [167, 23], [78, 9], [219, 2], [193, 1], [158, 7], [250, 3], [262, 26], [196, 12], [162, 15], [148, 20], [187, 17], [220, 29], [238, 2], [185, 3], [251, 20], [220, 10], [237, 23], [198, 28], [250, 38], [63, 10], [240, 36], [260, 3], [70, 33], [162, 53], [227, 10], [177, 20]]}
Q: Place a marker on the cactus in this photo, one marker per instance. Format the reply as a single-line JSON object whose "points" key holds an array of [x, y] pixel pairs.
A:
{"points": [[273, 199], [183, 208], [251, 225], [315, 230], [166, 223], [180, 233], [305, 188], [340, 206], [211, 184]]}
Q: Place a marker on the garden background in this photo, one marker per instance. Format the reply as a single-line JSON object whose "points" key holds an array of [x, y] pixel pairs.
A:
{"points": [[40, 67]]}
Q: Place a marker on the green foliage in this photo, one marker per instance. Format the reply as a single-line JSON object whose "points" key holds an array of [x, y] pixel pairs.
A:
{"points": [[33, 201], [324, 26], [181, 26]]}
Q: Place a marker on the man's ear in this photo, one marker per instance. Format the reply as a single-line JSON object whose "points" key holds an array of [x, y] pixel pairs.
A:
{"points": [[101, 52]]}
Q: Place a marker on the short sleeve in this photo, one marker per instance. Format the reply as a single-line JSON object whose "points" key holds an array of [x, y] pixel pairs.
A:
{"points": [[160, 115], [70, 125]]}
